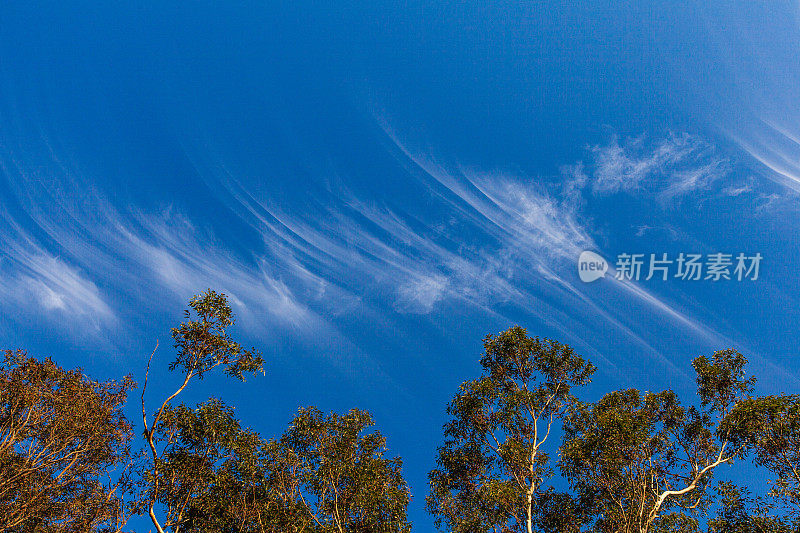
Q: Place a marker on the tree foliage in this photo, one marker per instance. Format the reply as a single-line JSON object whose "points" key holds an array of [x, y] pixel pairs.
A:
{"points": [[208, 474], [64, 448], [770, 428], [492, 466], [324, 475], [636, 462], [208, 470], [328, 475], [202, 343], [741, 512], [632, 456]]}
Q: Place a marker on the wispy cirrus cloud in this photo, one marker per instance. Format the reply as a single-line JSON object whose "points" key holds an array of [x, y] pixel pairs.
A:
{"points": [[739, 189], [358, 251], [776, 148], [541, 233], [172, 252], [35, 281], [483, 240], [66, 248], [49, 285], [676, 165], [420, 293]]}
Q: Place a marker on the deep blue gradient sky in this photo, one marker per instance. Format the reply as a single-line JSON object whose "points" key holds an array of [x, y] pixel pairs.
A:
{"points": [[377, 185]]}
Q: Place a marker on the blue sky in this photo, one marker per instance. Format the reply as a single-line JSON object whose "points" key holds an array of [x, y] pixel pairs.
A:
{"points": [[378, 185]]}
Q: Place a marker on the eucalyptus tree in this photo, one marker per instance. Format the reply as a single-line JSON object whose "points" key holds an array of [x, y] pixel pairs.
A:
{"points": [[770, 428], [633, 456], [208, 474], [326, 474], [492, 468], [210, 471], [64, 448], [739, 511], [202, 343]]}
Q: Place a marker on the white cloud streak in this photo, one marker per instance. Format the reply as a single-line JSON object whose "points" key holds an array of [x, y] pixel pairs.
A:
{"points": [[502, 239], [777, 149], [32, 280], [543, 236], [676, 165]]}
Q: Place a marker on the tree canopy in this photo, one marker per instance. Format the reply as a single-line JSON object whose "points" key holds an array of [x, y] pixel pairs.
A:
{"points": [[492, 467], [632, 456], [208, 474], [522, 451], [64, 448], [769, 427]]}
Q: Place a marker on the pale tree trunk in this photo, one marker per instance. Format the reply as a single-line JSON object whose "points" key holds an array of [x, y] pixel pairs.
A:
{"points": [[150, 431], [686, 490], [532, 487]]}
